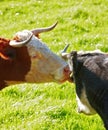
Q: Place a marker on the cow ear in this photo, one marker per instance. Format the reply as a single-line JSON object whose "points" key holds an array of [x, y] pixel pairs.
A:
{"points": [[9, 55], [4, 56]]}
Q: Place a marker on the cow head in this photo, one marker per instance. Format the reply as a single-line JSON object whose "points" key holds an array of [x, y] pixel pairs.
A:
{"points": [[44, 65], [69, 56]]}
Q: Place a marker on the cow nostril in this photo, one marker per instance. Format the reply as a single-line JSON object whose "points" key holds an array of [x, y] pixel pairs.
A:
{"points": [[67, 70]]}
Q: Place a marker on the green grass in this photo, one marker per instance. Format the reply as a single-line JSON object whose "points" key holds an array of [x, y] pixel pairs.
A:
{"points": [[51, 106]]}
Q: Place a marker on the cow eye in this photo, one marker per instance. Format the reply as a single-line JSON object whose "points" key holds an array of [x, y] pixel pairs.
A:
{"points": [[11, 54]]}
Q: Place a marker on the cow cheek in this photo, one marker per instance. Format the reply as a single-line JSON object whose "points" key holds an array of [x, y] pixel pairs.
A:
{"points": [[39, 72]]}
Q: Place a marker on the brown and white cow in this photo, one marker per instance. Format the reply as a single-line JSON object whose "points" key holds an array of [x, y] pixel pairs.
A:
{"points": [[90, 75], [26, 58]]}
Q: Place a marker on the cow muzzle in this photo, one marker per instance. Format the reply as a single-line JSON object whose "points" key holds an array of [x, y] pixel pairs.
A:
{"points": [[62, 74]]}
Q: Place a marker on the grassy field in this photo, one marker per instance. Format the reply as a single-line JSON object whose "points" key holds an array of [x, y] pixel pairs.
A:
{"points": [[50, 106]]}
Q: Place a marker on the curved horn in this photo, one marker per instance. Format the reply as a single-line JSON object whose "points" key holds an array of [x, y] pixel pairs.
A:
{"points": [[65, 48], [40, 30], [15, 43], [63, 52]]}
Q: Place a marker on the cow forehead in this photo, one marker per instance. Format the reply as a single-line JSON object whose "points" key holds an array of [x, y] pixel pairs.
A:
{"points": [[37, 48], [35, 44]]}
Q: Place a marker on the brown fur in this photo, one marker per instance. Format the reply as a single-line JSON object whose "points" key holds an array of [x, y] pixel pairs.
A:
{"points": [[14, 63]]}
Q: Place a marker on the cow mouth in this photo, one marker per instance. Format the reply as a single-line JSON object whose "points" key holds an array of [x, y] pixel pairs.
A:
{"points": [[67, 75], [71, 79], [68, 78]]}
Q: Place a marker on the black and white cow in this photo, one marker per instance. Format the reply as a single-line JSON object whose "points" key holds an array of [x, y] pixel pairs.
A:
{"points": [[90, 75]]}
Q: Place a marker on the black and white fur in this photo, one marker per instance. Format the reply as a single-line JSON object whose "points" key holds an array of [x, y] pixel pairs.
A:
{"points": [[90, 75]]}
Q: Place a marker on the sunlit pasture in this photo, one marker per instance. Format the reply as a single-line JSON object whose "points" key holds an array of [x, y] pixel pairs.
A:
{"points": [[52, 106]]}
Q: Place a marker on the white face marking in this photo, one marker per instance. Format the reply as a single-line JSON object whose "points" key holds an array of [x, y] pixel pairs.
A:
{"points": [[45, 65], [84, 105]]}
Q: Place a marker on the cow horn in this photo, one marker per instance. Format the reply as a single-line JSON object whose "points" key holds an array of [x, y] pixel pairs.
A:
{"points": [[65, 48], [64, 53], [15, 43], [40, 30]]}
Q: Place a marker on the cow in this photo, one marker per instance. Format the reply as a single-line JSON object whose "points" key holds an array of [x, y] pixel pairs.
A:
{"points": [[90, 75], [25, 58]]}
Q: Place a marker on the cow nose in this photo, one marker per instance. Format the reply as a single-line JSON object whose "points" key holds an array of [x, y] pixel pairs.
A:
{"points": [[67, 71]]}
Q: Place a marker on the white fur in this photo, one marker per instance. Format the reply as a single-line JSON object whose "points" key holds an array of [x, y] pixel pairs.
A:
{"points": [[84, 105], [95, 51], [45, 65]]}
